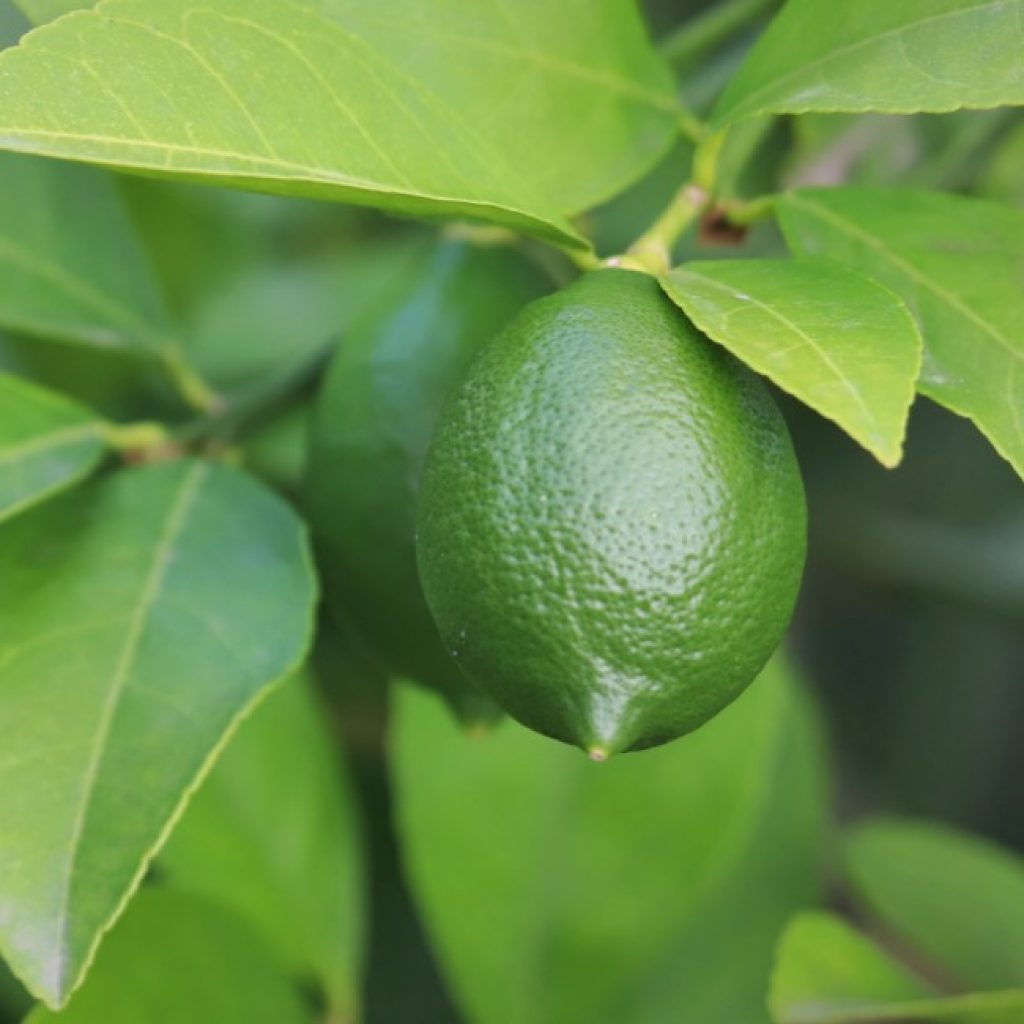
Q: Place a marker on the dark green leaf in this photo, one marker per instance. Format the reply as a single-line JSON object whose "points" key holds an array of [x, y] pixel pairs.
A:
{"points": [[273, 833], [829, 973], [517, 114], [959, 265], [71, 267], [175, 959], [647, 889], [140, 617], [957, 898], [834, 338], [41, 11], [47, 442], [914, 55]]}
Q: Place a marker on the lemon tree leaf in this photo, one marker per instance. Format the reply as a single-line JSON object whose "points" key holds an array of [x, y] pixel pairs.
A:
{"points": [[273, 833], [176, 958], [47, 442], [958, 263], [958, 898], [837, 340], [878, 55], [71, 267], [140, 617], [648, 888], [514, 113], [828, 973], [41, 11]]}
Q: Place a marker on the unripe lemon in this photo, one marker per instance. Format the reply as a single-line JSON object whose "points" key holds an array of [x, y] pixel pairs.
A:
{"points": [[374, 418], [612, 524]]}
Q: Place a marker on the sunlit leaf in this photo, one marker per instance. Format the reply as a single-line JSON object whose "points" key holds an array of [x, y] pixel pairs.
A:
{"points": [[958, 263], [914, 55], [835, 339], [516, 113], [140, 617]]}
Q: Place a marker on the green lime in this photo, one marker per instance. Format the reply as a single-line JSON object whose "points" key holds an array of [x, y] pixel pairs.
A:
{"points": [[373, 421], [612, 523]]}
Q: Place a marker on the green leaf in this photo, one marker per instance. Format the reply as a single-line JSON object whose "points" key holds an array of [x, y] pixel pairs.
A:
{"points": [[647, 889], [71, 267], [273, 834], [41, 11], [141, 616], [958, 263], [175, 959], [835, 339], [829, 973], [959, 899], [47, 442], [898, 58], [518, 114]]}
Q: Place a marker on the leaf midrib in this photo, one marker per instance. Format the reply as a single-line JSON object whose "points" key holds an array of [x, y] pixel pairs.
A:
{"points": [[163, 551], [51, 439], [752, 97]]}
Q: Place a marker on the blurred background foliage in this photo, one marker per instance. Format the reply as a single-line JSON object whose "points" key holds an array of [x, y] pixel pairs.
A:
{"points": [[909, 635]]}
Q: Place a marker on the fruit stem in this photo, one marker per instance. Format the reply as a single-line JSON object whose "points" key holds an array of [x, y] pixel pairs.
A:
{"points": [[187, 381], [652, 251], [233, 415]]}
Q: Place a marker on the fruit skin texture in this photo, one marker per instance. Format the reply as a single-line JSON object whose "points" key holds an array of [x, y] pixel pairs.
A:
{"points": [[373, 421], [612, 523]]}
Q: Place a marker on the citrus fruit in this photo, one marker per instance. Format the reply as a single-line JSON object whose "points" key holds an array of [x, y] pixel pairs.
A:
{"points": [[612, 522], [372, 424]]}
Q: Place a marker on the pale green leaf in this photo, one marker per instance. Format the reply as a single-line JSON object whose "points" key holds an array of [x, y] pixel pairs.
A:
{"points": [[273, 833], [41, 11], [176, 959], [837, 340], [958, 263], [829, 973], [140, 617], [647, 889], [71, 267], [913, 55], [515, 113], [958, 898], [47, 442]]}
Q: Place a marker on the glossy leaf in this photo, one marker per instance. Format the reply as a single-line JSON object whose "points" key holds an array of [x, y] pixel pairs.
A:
{"points": [[958, 263], [71, 268], [517, 114], [140, 617], [273, 833], [915, 55], [837, 340], [829, 973], [959, 899], [41, 11], [47, 442], [647, 889], [176, 959]]}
